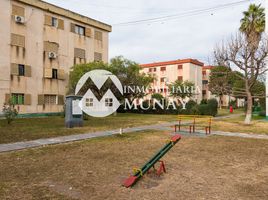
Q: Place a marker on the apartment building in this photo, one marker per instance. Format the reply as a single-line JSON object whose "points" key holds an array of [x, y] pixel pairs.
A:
{"points": [[40, 42], [206, 72], [170, 71]]}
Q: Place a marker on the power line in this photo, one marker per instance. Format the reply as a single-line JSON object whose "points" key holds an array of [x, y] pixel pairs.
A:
{"points": [[183, 14]]}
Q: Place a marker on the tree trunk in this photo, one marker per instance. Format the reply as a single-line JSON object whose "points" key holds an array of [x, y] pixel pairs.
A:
{"points": [[249, 108], [220, 98]]}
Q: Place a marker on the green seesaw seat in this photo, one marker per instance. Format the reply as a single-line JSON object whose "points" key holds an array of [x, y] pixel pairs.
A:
{"points": [[140, 172]]}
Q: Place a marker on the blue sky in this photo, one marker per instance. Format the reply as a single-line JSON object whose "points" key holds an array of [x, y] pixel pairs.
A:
{"points": [[183, 37]]}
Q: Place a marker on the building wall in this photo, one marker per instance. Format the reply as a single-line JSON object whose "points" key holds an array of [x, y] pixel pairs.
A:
{"points": [[189, 72], [36, 33]]}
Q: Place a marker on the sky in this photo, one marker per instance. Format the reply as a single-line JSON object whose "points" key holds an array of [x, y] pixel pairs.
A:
{"points": [[189, 34]]}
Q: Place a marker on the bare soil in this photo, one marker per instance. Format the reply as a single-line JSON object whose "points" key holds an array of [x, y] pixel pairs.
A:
{"points": [[211, 167]]}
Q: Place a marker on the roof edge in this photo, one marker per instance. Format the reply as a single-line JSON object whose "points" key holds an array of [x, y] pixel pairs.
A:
{"points": [[66, 13], [172, 62]]}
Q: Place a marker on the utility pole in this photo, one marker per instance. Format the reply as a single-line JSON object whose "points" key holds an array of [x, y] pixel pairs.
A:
{"points": [[266, 31]]}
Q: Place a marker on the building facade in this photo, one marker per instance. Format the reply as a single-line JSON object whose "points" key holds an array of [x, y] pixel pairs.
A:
{"points": [[170, 71], [39, 43]]}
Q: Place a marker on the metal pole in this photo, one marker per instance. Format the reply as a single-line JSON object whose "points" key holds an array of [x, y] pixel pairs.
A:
{"points": [[266, 31]]}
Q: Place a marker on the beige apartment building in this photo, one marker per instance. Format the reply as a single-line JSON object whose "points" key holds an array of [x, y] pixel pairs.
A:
{"points": [[170, 71], [39, 43]]}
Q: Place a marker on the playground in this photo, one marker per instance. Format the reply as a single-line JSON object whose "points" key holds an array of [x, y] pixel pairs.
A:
{"points": [[212, 167]]}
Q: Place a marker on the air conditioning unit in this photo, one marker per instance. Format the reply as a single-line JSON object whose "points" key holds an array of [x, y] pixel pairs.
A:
{"points": [[52, 55], [19, 19]]}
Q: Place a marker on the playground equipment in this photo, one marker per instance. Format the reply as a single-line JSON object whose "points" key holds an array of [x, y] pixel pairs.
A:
{"points": [[194, 122], [140, 172]]}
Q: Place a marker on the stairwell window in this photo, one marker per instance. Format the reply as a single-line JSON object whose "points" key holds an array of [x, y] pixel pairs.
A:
{"points": [[21, 70], [54, 74], [54, 22]]}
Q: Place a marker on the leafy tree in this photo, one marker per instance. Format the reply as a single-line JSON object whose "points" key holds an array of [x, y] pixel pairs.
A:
{"points": [[220, 82], [181, 90], [129, 74], [10, 112], [127, 71], [157, 96]]}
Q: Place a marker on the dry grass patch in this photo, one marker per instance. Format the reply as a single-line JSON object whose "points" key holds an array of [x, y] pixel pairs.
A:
{"points": [[198, 168]]}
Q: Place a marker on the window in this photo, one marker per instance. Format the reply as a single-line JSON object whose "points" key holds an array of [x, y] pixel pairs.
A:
{"points": [[89, 102], [163, 69], [179, 66], [50, 99], [54, 22], [21, 70], [162, 80], [150, 69], [54, 74], [17, 99], [154, 69], [108, 102], [180, 78], [79, 30]]}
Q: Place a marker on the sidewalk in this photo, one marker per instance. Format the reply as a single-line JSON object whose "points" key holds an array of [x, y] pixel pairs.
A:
{"points": [[72, 138]]}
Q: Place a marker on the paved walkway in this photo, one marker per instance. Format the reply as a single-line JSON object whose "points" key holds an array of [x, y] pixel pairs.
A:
{"points": [[71, 138]]}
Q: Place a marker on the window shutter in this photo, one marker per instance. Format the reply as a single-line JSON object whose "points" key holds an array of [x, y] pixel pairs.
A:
{"points": [[79, 53], [97, 56], [28, 71], [17, 40], [17, 10], [41, 99], [51, 46], [60, 100], [14, 69], [73, 27], [48, 73], [7, 98], [88, 32], [61, 74], [98, 35], [61, 24], [48, 20], [27, 99]]}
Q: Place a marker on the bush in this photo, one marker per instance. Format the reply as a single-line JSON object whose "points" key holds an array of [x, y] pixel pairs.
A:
{"points": [[262, 113], [213, 107], [204, 101], [10, 112]]}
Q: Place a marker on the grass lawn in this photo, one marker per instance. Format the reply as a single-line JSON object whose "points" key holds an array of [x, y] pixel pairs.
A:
{"points": [[236, 124], [197, 168], [35, 128]]}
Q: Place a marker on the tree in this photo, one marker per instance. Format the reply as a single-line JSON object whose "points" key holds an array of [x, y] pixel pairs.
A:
{"points": [[220, 82], [238, 52], [253, 25], [127, 71], [129, 74], [10, 112], [181, 90], [247, 51]]}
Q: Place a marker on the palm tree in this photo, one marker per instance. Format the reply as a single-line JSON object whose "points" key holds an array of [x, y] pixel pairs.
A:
{"points": [[253, 24]]}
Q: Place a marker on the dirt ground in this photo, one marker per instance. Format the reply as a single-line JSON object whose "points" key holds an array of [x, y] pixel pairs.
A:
{"points": [[211, 167]]}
